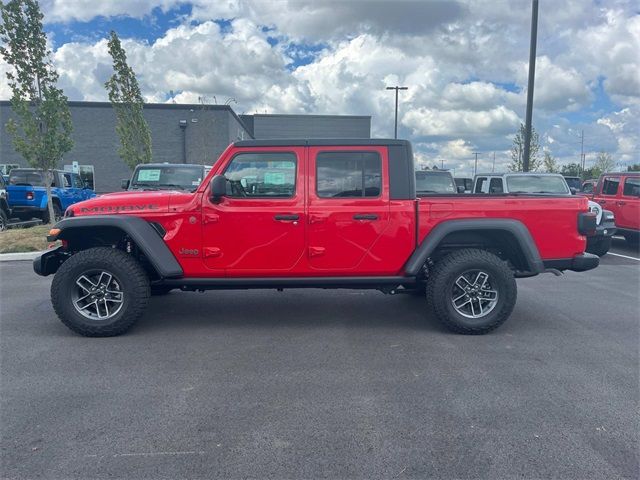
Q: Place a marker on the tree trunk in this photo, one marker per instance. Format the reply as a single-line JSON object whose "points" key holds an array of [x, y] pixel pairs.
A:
{"points": [[49, 179]]}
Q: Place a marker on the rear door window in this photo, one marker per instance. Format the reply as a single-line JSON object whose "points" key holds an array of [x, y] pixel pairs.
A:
{"points": [[495, 186], [631, 187], [610, 185], [348, 174]]}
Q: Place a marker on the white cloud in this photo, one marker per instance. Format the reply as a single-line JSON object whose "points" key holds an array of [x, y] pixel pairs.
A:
{"points": [[430, 122]]}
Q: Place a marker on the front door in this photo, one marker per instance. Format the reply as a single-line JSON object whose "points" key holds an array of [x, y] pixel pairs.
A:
{"points": [[607, 198], [348, 208], [257, 228]]}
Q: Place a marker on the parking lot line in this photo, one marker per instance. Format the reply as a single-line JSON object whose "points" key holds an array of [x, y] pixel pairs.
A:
{"points": [[623, 256]]}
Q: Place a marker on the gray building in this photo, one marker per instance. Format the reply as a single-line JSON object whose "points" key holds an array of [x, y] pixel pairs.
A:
{"points": [[181, 133]]}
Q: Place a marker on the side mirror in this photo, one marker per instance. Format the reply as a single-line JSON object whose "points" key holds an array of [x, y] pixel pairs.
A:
{"points": [[124, 184], [218, 186], [460, 189], [573, 190]]}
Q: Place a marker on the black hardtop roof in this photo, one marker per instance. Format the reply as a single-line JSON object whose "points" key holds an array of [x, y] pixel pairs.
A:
{"points": [[628, 174], [39, 170], [320, 142]]}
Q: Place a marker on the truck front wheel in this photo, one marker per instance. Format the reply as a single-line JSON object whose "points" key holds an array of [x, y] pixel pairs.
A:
{"points": [[598, 246], [100, 292], [472, 291]]}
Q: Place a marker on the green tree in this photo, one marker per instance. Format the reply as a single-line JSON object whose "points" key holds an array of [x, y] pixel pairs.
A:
{"points": [[549, 163], [570, 170], [604, 163], [41, 131], [126, 99], [634, 168], [517, 150]]}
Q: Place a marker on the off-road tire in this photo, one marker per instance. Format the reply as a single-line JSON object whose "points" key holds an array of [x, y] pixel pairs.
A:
{"points": [[599, 247], [4, 220], [134, 284], [443, 276], [57, 214]]}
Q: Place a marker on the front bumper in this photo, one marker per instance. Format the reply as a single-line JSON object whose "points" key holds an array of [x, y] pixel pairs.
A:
{"points": [[26, 209], [606, 229], [579, 263], [49, 261]]}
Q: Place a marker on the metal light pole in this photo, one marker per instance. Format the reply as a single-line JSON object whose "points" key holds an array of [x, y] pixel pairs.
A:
{"points": [[475, 167], [532, 74], [396, 88]]}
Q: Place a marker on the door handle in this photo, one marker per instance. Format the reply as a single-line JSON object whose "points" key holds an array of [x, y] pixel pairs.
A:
{"points": [[602, 202], [286, 218], [365, 216], [622, 203]]}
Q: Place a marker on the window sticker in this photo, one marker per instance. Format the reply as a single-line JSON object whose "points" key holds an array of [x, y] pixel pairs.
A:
{"points": [[274, 178], [148, 175]]}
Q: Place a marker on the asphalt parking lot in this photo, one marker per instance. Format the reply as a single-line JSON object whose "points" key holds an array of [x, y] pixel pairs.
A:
{"points": [[327, 384]]}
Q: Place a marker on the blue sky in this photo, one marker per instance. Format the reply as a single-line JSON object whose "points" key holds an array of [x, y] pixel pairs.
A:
{"points": [[465, 64]]}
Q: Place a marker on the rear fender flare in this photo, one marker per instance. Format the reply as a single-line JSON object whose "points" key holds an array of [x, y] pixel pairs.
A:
{"points": [[139, 230], [516, 228]]}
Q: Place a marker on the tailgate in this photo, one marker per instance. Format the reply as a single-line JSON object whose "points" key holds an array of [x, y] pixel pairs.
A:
{"points": [[24, 195]]}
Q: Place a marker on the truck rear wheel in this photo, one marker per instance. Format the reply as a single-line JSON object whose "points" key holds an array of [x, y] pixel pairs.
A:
{"points": [[100, 292], [57, 214], [472, 291]]}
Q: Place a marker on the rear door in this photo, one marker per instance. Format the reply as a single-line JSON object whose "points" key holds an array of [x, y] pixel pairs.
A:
{"points": [[629, 204], [348, 208]]}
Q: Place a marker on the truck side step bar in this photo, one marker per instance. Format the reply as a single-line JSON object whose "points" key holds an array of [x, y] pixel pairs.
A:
{"points": [[287, 282]]}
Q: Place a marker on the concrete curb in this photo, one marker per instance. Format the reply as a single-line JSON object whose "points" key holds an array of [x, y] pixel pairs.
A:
{"points": [[12, 257]]}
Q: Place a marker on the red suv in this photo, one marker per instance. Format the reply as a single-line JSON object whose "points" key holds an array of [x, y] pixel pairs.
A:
{"points": [[620, 193]]}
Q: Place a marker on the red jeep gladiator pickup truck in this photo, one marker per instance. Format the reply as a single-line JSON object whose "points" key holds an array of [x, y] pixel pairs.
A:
{"points": [[316, 214]]}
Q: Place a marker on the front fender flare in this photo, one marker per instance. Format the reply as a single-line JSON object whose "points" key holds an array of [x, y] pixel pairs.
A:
{"points": [[139, 230]]}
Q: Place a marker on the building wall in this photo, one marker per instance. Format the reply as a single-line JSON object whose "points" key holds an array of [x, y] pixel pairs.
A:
{"points": [[311, 126]]}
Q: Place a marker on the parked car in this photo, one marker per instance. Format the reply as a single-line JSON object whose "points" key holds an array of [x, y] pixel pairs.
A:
{"points": [[466, 183], [620, 193], [310, 214], [435, 181], [5, 212], [575, 183], [27, 193], [166, 176], [598, 243]]}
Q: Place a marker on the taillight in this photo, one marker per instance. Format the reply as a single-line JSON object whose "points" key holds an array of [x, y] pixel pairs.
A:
{"points": [[587, 223], [29, 195]]}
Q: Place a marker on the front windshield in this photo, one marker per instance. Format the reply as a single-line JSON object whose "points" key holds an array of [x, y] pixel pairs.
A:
{"points": [[537, 184], [160, 177], [431, 182]]}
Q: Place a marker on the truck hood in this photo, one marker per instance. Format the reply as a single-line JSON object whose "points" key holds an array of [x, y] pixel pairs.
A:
{"points": [[125, 202]]}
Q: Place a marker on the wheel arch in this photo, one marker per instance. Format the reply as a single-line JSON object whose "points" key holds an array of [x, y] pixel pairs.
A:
{"points": [[80, 232], [509, 236]]}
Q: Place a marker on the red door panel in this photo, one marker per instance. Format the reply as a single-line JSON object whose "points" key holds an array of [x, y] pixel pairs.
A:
{"points": [[258, 229], [344, 223], [629, 204]]}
